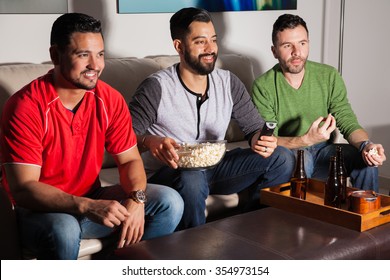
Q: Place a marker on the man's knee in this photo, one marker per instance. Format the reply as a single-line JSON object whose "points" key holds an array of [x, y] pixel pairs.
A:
{"points": [[284, 157], [164, 198], [193, 184], [51, 235], [173, 201], [65, 230]]}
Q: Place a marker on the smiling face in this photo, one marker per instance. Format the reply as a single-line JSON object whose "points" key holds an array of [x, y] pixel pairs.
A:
{"points": [[199, 49], [82, 62], [292, 49]]}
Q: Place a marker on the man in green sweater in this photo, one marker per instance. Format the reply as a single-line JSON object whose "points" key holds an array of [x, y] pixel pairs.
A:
{"points": [[309, 100]]}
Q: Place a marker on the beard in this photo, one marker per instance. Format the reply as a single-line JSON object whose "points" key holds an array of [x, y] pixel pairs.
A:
{"points": [[293, 69], [86, 86], [79, 83], [196, 64]]}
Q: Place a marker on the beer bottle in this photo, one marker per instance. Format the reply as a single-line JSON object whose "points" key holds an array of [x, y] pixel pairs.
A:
{"points": [[299, 180], [332, 185], [341, 173]]}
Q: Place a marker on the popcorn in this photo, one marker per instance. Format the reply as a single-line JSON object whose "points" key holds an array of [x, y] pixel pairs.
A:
{"points": [[373, 152], [205, 154]]}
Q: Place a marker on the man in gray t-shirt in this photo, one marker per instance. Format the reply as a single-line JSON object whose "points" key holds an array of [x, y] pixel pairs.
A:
{"points": [[193, 101]]}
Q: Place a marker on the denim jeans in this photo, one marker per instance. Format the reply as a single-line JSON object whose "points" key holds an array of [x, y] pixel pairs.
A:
{"points": [[317, 158], [239, 169], [58, 235]]}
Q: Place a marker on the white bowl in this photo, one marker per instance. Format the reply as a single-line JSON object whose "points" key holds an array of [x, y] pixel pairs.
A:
{"points": [[200, 154]]}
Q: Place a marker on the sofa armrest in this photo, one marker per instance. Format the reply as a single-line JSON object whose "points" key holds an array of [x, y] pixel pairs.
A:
{"points": [[9, 237]]}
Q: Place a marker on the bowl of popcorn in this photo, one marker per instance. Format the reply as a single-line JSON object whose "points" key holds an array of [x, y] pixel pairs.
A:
{"points": [[200, 154]]}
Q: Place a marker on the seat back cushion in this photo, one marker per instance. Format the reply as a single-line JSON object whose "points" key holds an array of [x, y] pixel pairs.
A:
{"points": [[14, 76], [125, 75]]}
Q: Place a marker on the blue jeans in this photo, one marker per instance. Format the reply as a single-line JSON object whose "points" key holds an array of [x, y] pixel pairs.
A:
{"points": [[58, 235], [239, 169], [317, 165]]}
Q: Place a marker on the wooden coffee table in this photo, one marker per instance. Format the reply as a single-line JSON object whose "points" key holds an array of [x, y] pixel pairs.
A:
{"points": [[268, 233]]}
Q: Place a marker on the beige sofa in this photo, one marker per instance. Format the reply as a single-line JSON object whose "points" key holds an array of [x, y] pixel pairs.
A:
{"points": [[124, 74]]}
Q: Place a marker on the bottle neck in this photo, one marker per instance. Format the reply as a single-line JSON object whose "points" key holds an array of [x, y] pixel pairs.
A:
{"points": [[340, 162], [300, 166], [333, 169]]}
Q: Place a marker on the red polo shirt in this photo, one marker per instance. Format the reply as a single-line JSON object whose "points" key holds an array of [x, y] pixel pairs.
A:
{"points": [[69, 147]]}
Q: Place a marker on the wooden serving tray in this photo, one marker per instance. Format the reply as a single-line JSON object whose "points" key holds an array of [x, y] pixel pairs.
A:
{"points": [[313, 207]]}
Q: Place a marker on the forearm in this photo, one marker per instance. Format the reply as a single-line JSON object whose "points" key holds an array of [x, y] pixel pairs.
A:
{"points": [[132, 176], [141, 143], [294, 142], [38, 196], [320, 131], [373, 154], [357, 137], [30, 193]]}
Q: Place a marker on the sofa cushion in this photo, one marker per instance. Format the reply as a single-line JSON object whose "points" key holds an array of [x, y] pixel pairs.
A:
{"points": [[125, 74], [14, 76]]}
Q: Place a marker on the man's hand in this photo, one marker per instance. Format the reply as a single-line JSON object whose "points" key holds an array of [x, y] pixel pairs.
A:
{"points": [[374, 154], [163, 148], [107, 212], [130, 216], [320, 130], [265, 146], [133, 226]]}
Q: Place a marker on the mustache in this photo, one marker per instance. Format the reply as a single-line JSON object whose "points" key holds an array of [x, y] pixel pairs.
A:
{"points": [[86, 71], [295, 58], [207, 54]]}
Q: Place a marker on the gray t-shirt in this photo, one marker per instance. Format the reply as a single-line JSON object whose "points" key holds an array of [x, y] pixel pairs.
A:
{"points": [[163, 106]]}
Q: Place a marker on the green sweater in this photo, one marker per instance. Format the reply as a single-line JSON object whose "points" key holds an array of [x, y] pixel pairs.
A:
{"points": [[322, 92]]}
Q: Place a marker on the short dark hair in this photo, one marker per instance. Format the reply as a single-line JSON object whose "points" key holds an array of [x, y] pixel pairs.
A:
{"points": [[183, 18], [287, 21], [67, 24]]}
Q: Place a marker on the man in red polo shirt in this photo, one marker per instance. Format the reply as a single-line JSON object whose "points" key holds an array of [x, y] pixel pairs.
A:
{"points": [[54, 133]]}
